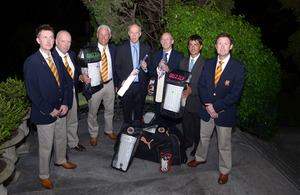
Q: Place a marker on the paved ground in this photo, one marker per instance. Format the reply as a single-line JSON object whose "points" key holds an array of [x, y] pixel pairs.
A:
{"points": [[258, 168]]}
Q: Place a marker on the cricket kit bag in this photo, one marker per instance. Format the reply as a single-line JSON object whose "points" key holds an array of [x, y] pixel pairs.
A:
{"points": [[161, 144], [126, 145], [173, 103], [89, 59]]}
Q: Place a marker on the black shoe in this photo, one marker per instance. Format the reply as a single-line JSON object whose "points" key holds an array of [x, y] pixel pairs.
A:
{"points": [[193, 152]]}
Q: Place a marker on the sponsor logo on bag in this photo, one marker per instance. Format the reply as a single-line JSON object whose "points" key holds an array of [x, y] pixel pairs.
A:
{"points": [[143, 139]]}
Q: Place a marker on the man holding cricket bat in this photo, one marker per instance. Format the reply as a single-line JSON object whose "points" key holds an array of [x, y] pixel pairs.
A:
{"points": [[128, 58], [159, 67]]}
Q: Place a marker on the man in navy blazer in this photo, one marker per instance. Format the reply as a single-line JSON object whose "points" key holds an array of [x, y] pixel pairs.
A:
{"points": [[220, 87], [68, 57], [107, 94], [173, 59], [134, 98], [49, 93]]}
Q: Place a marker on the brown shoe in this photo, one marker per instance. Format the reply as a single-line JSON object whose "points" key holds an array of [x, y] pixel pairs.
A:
{"points": [[111, 135], [79, 148], [46, 183], [223, 179], [93, 141], [195, 163], [67, 165]]}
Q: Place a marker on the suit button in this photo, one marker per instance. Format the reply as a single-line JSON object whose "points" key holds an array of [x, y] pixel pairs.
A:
{"points": [[214, 94], [59, 99]]}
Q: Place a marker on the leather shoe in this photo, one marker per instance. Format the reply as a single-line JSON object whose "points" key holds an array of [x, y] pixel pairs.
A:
{"points": [[195, 163], [46, 183], [79, 148], [67, 165], [223, 179], [111, 135], [93, 141]]}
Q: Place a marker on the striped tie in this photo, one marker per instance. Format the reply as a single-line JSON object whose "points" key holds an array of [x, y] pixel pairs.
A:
{"points": [[218, 73], [53, 69], [68, 67], [104, 69]]}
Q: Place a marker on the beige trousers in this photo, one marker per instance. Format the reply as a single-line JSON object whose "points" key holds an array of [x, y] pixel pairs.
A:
{"points": [[49, 135], [72, 125], [224, 144], [107, 95]]}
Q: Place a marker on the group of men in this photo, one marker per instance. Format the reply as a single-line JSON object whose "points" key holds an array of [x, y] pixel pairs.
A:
{"points": [[51, 80]]}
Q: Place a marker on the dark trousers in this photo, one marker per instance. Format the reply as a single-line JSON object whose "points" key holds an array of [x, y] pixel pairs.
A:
{"points": [[133, 101], [161, 119], [191, 129]]}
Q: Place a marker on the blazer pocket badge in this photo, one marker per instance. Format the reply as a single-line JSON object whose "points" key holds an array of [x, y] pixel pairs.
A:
{"points": [[227, 83]]}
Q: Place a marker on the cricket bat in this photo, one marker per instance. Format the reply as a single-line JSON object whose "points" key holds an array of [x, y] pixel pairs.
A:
{"points": [[160, 83], [130, 78]]}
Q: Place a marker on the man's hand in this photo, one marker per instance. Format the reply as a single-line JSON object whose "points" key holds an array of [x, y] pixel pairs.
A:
{"points": [[187, 92], [63, 110], [55, 113], [123, 83], [163, 66], [85, 78]]}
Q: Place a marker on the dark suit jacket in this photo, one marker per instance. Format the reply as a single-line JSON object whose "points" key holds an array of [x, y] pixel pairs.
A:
{"points": [[42, 88], [124, 64], [193, 101], [113, 51], [227, 92], [173, 63], [71, 83]]}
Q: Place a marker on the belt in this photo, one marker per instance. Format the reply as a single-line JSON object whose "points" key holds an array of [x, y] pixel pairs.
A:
{"points": [[107, 81]]}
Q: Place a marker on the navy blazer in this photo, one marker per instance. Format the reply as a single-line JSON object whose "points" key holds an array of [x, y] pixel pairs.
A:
{"points": [[71, 82], [173, 62], [42, 88], [225, 95], [193, 101], [124, 64], [113, 51]]}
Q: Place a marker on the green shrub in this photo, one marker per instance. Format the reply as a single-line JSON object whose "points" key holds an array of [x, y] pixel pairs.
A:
{"points": [[257, 106], [13, 106]]}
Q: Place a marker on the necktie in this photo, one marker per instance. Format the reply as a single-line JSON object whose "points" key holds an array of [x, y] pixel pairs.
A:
{"points": [[135, 61], [191, 65], [218, 73], [68, 67], [166, 59], [54, 70], [104, 68]]}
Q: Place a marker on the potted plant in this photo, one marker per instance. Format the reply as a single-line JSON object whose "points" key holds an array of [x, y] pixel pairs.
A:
{"points": [[13, 107]]}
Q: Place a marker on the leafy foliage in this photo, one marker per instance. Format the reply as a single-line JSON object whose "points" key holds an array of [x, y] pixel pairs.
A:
{"points": [[13, 106], [257, 106]]}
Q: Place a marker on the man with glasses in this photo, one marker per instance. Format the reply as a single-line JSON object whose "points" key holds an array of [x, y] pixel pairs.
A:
{"points": [[172, 60]]}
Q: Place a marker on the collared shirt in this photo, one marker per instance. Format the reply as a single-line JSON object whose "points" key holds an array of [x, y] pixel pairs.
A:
{"points": [[68, 58], [225, 62], [109, 62], [46, 56], [195, 59], [169, 54]]}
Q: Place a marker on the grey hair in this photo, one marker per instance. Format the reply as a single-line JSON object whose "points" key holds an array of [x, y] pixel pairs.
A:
{"points": [[104, 26]]}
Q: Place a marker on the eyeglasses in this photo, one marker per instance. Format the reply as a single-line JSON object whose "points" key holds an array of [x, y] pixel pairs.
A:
{"points": [[166, 39]]}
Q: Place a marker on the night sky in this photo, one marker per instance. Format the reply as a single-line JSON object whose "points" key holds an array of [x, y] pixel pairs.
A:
{"points": [[20, 18]]}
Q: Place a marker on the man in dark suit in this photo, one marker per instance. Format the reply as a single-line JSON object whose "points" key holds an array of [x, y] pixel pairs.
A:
{"points": [[191, 121], [220, 87], [157, 63], [128, 57], [107, 94], [46, 86], [68, 57]]}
